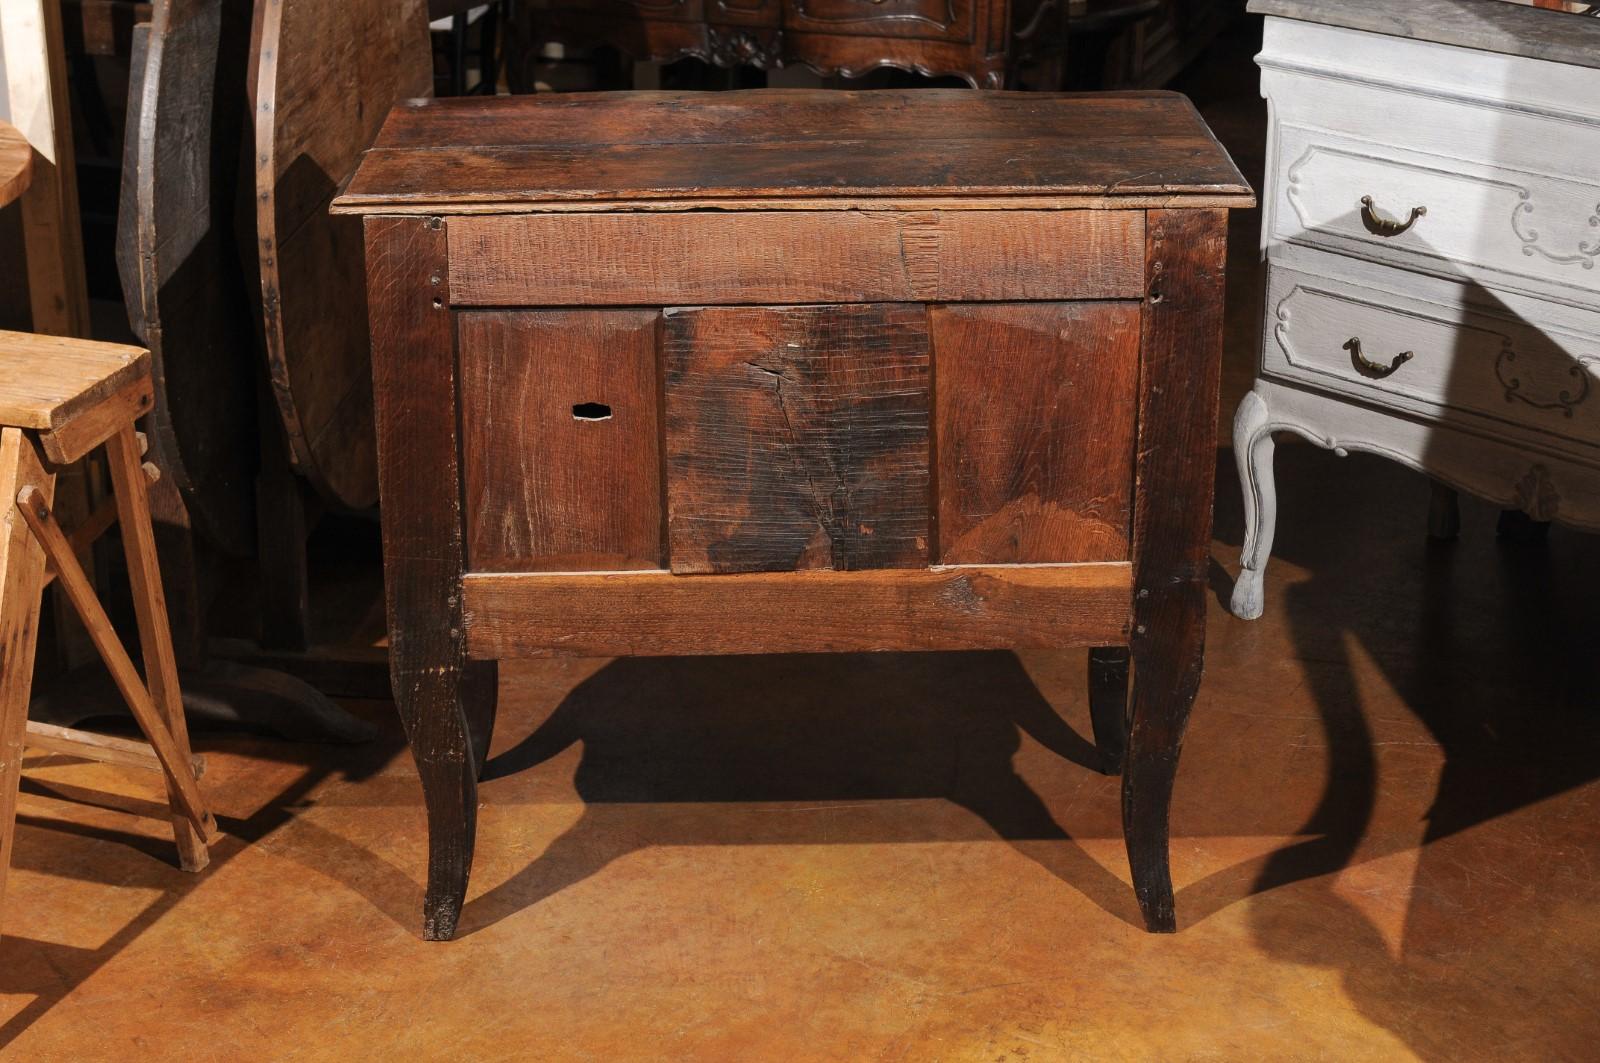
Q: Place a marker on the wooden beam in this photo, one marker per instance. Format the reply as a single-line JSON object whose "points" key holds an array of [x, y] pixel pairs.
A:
{"points": [[959, 607], [106, 749]]}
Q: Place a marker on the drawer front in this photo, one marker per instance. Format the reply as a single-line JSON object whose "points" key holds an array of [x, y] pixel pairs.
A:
{"points": [[668, 10], [560, 439], [751, 439], [795, 257], [1509, 228], [1437, 349], [767, 13], [944, 20]]}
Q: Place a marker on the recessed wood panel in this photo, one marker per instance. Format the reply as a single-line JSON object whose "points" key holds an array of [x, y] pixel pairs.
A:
{"points": [[796, 257], [1035, 430], [561, 439], [797, 438], [976, 607]]}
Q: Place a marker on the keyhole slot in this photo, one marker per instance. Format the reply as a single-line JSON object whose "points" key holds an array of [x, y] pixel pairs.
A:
{"points": [[591, 411]]}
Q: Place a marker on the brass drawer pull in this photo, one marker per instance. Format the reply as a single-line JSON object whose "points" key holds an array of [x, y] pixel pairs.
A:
{"points": [[1386, 227], [1367, 367]]}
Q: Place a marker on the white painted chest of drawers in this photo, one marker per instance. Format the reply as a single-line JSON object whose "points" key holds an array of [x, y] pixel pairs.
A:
{"points": [[1430, 237]]}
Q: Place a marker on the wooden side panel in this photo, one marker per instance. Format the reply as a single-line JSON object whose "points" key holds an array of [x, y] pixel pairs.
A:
{"points": [[980, 607], [797, 438], [561, 429], [795, 257], [1035, 430]]}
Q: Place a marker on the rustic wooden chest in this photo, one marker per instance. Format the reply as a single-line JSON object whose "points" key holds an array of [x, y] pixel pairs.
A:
{"points": [[789, 371]]}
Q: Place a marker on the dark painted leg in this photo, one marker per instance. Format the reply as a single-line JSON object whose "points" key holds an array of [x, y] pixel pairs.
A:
{"points": [[1108, 705], [1181, 354], [435, 687]]}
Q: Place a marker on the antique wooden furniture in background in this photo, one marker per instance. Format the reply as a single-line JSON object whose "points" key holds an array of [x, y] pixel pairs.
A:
{"points": [[1432, 292], [907, 370], [60, 399], [983, 41]]}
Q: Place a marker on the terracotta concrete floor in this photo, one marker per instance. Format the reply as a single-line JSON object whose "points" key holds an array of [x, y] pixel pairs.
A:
{"points": [[1386, 843], [1386, 837]]}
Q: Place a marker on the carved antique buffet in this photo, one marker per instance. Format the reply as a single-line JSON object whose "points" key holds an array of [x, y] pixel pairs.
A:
{"points": [[980, 40]]}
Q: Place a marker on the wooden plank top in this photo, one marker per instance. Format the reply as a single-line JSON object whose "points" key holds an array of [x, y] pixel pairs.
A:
{"points": [[16, 163], [45, 381], [792, 148], [1485, 25]]}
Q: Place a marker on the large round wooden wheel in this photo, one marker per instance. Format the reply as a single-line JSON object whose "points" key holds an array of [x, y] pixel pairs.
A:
{"points": [[328, 74], [179, 259]]}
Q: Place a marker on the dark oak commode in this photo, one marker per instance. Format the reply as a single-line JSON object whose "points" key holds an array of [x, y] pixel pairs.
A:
{"points": [[789, 371]]}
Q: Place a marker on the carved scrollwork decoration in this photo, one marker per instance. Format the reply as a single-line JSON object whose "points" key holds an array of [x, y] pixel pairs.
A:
{"points": [[1565, 401], [727, 48], [1586, 252]]}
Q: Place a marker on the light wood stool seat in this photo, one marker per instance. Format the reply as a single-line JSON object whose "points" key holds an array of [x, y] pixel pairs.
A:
{"points": [[59, 399]]}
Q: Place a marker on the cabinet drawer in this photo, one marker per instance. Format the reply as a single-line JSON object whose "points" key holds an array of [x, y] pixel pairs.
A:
{"points": [[795, 257], [1436, 349], [560, 439], [945, 20], [1515, 229]]}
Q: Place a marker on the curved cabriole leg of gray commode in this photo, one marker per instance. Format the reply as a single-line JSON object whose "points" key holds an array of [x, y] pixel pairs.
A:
{"points": [[1252, 449]]}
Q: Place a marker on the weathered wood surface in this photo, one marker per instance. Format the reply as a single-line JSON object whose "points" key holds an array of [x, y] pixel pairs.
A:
{"points": [[794, 257], [173, 754], [16, 163], [107, 749], [797, 437], [551, 483], [326, 74], [981, 607], [22, 562], [1486, 25], [777, 143], [1180, 374], [128, 483], [178, 258], [414, 379], [50, 380], [1035, 426]]}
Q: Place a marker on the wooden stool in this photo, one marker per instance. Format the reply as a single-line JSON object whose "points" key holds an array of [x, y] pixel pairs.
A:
{"points": [[66, 397]]}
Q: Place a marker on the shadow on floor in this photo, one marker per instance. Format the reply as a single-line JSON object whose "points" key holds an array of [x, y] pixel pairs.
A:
{"points": [[761, 729], [1492, 646]]}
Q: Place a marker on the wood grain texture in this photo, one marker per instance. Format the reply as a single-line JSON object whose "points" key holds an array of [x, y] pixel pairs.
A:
{"points": [[546, 488], [1035, 429], [795, 257], [16, 163], [96, 425], [49, 380], [174, 756], [414, 379], [22, 562], [129, 486], [178, 258], [326, 75], [797, 437], [983, 607], [777, 143], [1180, 373], [107, 749]]}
